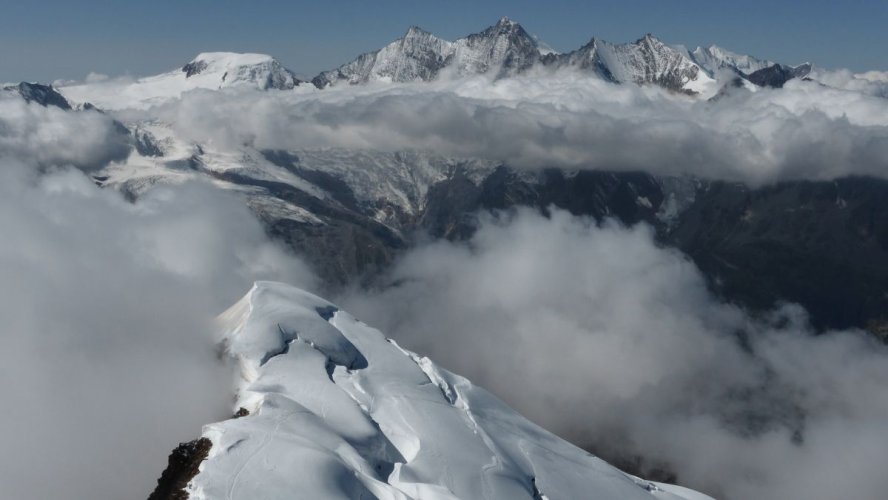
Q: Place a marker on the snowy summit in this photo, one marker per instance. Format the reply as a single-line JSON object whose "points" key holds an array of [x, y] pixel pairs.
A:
{"points": [[331, 408], [210, 70]]}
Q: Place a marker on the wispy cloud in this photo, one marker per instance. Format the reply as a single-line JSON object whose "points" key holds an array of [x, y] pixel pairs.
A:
{"points": [[615, 343]]}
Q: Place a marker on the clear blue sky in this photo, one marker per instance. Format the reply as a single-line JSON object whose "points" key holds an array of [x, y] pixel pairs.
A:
{"points": [[53, 39]]}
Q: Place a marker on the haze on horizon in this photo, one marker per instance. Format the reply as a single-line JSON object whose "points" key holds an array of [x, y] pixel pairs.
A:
{"points": [[68, 40]]}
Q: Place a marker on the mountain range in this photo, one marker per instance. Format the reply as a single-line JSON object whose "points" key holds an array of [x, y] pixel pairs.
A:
{"points": [[506, 48], [502, 50], [350, 213]]}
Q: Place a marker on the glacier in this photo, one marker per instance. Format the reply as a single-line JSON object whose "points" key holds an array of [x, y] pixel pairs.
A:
{"points": [[328, 407], [209, 71]]}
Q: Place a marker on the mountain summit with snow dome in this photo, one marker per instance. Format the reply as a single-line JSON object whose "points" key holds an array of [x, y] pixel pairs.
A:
{"points": [[207, 71], [328, 407]]}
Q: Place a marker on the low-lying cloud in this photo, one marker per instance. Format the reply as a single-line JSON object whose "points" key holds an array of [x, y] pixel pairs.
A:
{"points": [[806, 130], [595, 332], [47, 135], [106, 309], [616, 344]]}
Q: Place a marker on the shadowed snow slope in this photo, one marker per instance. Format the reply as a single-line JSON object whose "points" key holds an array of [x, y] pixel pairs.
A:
{"points": [[336, 410]]}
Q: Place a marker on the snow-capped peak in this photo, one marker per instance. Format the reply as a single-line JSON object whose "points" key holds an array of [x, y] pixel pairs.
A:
{"points": [[714, 59], [44, 95], [504, 47], [333, 409], [209, 70], [414, 32], [648, 61], [226, 69], [506, 22], [543, 47]]}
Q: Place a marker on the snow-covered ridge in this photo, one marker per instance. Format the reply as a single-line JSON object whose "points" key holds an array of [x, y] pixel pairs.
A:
{"points": [[506, 48], [649, 60], [421, 56], [502, 50], [714, 59], [336, 410], [210, 70], [258, 70]]}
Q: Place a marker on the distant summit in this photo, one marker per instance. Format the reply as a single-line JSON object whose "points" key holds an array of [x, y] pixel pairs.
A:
{"points": [[209, 70], [506, 49], [44, 95], [229, 69], [502, 50], [420, 56]]}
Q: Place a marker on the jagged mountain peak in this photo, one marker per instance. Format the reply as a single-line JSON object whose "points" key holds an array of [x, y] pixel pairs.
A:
{"points": [[715, 59], [505, 21], [593, 42], [414, 30], [647, 60], [776, 75], [44, 95], [504, 47], [505, 25]]}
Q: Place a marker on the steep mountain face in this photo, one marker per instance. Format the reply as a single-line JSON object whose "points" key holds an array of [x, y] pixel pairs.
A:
{"points": [[647, 61], [330, 408], [506, 49], [212, 70], [714, 59], [420, 56], [821, 244], [351, 213], [586, 58], [777, 75], [650, 61], [44, 95]]}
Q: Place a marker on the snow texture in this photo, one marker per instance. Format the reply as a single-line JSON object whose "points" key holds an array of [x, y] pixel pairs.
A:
{"points": [[714, 59], [336, 410], [210, 70], [506, 49]]}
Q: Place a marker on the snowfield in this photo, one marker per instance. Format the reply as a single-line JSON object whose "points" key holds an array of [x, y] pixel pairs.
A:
{"points": [[337, 410], [209, 71]]}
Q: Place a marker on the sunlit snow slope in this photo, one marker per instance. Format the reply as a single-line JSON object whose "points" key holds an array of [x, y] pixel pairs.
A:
{"points": [[210, 70], [336, 410]]}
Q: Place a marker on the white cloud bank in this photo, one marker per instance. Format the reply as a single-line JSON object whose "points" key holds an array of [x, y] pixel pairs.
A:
{"points": [[47, 135], [594, 332], [613, 342], [805, 131], [105, 310]]}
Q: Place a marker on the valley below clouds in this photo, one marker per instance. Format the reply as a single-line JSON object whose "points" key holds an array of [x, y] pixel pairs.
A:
{"points": [[591, 327]]}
